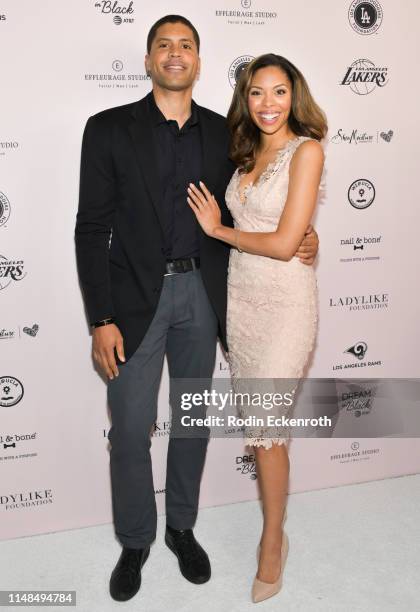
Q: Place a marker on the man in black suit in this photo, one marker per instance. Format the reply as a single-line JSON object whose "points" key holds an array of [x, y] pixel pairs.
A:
{"points": [[155, 284]]}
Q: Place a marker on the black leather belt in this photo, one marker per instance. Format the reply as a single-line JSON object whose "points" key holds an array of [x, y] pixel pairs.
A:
{"points": [[178, 266]]}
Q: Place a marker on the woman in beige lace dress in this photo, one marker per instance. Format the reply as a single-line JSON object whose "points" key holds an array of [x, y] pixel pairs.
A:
{"points": [[276, 127]]}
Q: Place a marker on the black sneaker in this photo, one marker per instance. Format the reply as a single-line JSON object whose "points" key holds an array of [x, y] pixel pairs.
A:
{"points": [[126, 578], [192, 558]]}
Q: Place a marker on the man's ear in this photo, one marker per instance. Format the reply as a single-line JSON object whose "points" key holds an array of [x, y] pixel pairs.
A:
{"points": [[147, 64]]}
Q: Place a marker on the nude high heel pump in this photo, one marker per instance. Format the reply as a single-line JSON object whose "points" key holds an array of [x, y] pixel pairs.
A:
{"points": [[263, 590]]}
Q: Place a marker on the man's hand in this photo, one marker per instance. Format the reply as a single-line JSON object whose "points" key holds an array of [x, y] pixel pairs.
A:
{"points": [[308, 249], [105, 339]]}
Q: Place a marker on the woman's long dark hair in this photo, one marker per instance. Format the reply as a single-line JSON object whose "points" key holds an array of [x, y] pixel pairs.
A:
{"points": [[306, 117]]}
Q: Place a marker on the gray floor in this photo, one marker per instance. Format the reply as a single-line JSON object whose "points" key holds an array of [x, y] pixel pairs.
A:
{"points": [[352, 548]]}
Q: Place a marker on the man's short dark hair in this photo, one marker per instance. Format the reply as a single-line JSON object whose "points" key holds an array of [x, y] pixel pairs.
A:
{"points": [[171, 19]]}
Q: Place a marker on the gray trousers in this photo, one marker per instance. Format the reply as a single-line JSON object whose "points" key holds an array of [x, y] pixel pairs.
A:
{"points": [[185, 328]]}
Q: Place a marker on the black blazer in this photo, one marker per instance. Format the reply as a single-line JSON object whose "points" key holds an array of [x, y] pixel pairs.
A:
{"points": [[119, 236]]}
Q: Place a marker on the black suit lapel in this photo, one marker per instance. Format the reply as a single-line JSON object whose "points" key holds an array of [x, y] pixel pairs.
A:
{"points": [[217, 169], [144, 144], [210, 151]]}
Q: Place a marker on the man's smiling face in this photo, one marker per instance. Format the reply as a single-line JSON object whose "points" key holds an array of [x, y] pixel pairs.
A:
{"points": [[173, 62]]}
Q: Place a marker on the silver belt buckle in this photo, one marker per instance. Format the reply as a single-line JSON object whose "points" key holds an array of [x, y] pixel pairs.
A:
{"points": [[170, 273]]}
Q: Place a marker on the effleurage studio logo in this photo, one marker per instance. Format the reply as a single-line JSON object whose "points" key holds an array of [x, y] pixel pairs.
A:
{"points": [[363, 76], [7, 146], [120, 11], [2, 18], [355, 453], [116, 77], [247, 12], [365, 16]]}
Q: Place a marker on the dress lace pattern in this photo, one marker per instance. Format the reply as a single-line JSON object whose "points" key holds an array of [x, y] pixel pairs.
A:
{"points": [[271, 169], [272, 304]]}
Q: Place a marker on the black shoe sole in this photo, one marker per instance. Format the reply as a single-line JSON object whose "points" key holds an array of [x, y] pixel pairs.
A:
{"points": [[131, 595], [189, 578]]}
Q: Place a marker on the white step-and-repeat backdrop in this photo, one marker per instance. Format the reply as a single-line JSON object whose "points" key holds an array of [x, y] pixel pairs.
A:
{"points": [[62, 61]]}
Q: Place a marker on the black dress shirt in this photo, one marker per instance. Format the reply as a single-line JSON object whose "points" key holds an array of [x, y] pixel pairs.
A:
{"points": [[179, 163]]}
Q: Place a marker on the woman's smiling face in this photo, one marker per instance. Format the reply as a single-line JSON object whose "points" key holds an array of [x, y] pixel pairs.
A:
{"points": [[270, 99]]}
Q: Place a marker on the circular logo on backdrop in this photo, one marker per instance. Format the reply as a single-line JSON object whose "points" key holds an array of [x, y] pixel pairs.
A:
{"points": [[117, 65], [11, 391], [4, 208], [246, 4], [361, 193], [236, 68], [365, 16]]}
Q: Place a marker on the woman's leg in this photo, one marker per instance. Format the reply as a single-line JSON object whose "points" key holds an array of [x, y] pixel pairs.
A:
{"points": [[273, 477]]}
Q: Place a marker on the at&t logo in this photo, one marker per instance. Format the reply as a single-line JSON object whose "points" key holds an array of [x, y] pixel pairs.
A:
{"points": [[121, 12]]}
